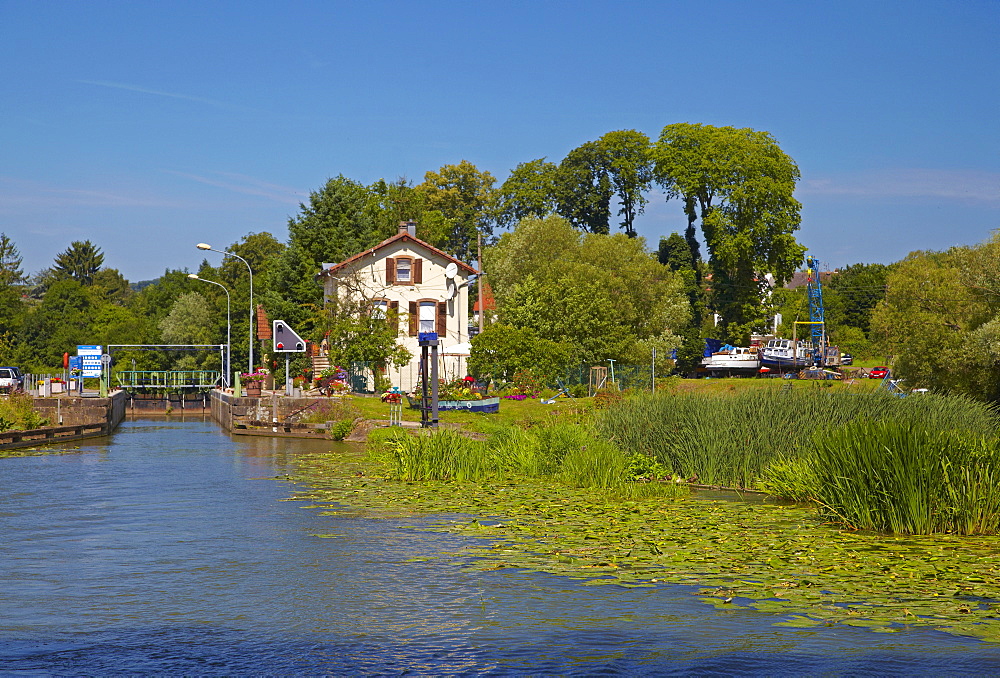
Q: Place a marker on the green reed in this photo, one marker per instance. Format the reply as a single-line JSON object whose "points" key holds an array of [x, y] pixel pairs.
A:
{"points": [[732, 440], [908, 477], [569, 453]]}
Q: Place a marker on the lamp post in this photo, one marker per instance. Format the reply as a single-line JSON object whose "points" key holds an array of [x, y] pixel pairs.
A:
{"points": [[207, 247], [229, 326]]}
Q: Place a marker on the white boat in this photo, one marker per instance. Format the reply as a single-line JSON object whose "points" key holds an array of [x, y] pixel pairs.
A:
{"points": [[733, 360], [788, 354]]}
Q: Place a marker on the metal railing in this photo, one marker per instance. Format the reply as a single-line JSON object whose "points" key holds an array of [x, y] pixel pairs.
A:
{"points": [[141, 380]]}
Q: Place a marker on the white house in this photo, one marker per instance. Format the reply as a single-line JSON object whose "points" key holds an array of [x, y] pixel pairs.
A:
{"points": [[429, 288]]}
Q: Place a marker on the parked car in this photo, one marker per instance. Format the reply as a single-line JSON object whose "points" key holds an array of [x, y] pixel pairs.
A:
{"points": [[846, 359], [880, 372], [10, 379]]}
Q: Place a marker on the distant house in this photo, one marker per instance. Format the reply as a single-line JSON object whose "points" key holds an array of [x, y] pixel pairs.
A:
{"points": [[409, 275], [801, 278]]}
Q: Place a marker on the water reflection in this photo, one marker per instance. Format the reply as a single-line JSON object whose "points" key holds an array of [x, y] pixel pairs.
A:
{"points": [[169, 549]]}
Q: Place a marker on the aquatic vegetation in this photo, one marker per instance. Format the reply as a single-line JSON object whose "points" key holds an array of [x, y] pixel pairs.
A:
{"points": [[908, 477], [732, 440], [779, 559], [569, 453]]}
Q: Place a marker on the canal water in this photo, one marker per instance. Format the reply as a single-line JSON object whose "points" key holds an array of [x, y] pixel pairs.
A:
{"points": [[171, 548]]}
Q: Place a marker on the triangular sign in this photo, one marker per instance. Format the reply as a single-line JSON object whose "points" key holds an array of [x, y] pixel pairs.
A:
{"points": [[285, 339]]}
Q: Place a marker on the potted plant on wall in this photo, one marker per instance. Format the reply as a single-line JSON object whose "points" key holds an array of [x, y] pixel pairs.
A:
{"points": [[252, 381]]}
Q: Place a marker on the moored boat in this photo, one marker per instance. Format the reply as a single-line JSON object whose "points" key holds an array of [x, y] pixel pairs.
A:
{"points": [[732, 360]]}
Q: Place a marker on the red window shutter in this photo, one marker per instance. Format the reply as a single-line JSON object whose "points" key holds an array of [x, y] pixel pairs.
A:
{"points": [[414, 318], [390, 271], [393, 313], [418, 271], [442, 319]]}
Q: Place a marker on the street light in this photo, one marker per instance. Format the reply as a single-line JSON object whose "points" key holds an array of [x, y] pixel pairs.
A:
{"points": [[206, 246], [229, 325]]}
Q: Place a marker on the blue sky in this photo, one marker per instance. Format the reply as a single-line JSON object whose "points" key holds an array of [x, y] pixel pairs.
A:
{"points": [[147, 127]]}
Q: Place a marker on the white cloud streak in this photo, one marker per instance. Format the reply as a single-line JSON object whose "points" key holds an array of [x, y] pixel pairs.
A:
{"points": [[965, 185], [240, 183], [145, 90]]}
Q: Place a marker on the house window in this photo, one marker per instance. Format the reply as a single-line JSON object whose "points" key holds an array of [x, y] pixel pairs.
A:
{"points": [[428, 316], [380, 308], [404, 270]]}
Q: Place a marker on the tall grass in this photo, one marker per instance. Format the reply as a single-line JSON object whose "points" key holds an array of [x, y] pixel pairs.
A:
{"points": [[568, 453], [732, 440], [444, 455], [909, 477]]}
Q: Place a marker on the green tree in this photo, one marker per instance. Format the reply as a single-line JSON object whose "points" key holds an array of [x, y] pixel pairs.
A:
{"points": [[739, 183], [11, 281], [113, 286], [62, 321], [11, 273], [340, 220], [465, 200], [861, 287], [194, 320], [501, 351], [630, 169], [938, 326], [80, 261], [584, 189], [530, 190], [601, 294], [675, 254]]}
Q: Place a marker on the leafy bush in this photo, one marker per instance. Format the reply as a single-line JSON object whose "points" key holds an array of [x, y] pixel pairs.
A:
{"points": [[17, 413], [342, 429]]}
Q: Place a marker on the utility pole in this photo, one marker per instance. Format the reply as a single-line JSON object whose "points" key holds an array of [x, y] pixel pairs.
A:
{"points": [[479, 281]]}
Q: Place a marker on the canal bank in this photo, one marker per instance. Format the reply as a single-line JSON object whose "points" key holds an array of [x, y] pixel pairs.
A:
{"points": [[70, 418]]}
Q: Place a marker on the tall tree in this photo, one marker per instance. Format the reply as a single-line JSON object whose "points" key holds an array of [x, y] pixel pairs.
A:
{"points": [[939, 326], [630, 168], [584, 189], [603, 294], [739, 183], [861, 287], [80, 261], [10, 263], [530, 190], [465, 200]]}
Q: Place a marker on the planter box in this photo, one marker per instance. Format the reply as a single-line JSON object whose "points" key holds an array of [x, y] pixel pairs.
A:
{"points": [[486, 405]]}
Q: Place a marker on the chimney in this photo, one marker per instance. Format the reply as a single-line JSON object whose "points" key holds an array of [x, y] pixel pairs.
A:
{"points": [[408, 227]]}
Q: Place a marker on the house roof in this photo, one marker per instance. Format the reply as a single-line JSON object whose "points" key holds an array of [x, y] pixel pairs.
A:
{"points": [[801, 279], [399, 237], [263, 325]]}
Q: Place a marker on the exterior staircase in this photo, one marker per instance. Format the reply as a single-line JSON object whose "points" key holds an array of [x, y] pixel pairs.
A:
{"points": [[320, 363]]}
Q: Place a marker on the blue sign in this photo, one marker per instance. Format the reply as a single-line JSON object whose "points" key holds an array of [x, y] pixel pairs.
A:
{"points": [[90, 360]]}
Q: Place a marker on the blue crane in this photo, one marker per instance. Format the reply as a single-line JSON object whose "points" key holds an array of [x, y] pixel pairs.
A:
{"points": [[814, 288]]}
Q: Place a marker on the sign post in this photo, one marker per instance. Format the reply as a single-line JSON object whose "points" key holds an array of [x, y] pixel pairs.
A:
{"points": [[286, 341], [90, 363]]}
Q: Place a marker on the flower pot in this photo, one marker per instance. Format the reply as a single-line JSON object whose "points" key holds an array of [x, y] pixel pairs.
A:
{"points": [[253, 389]]}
